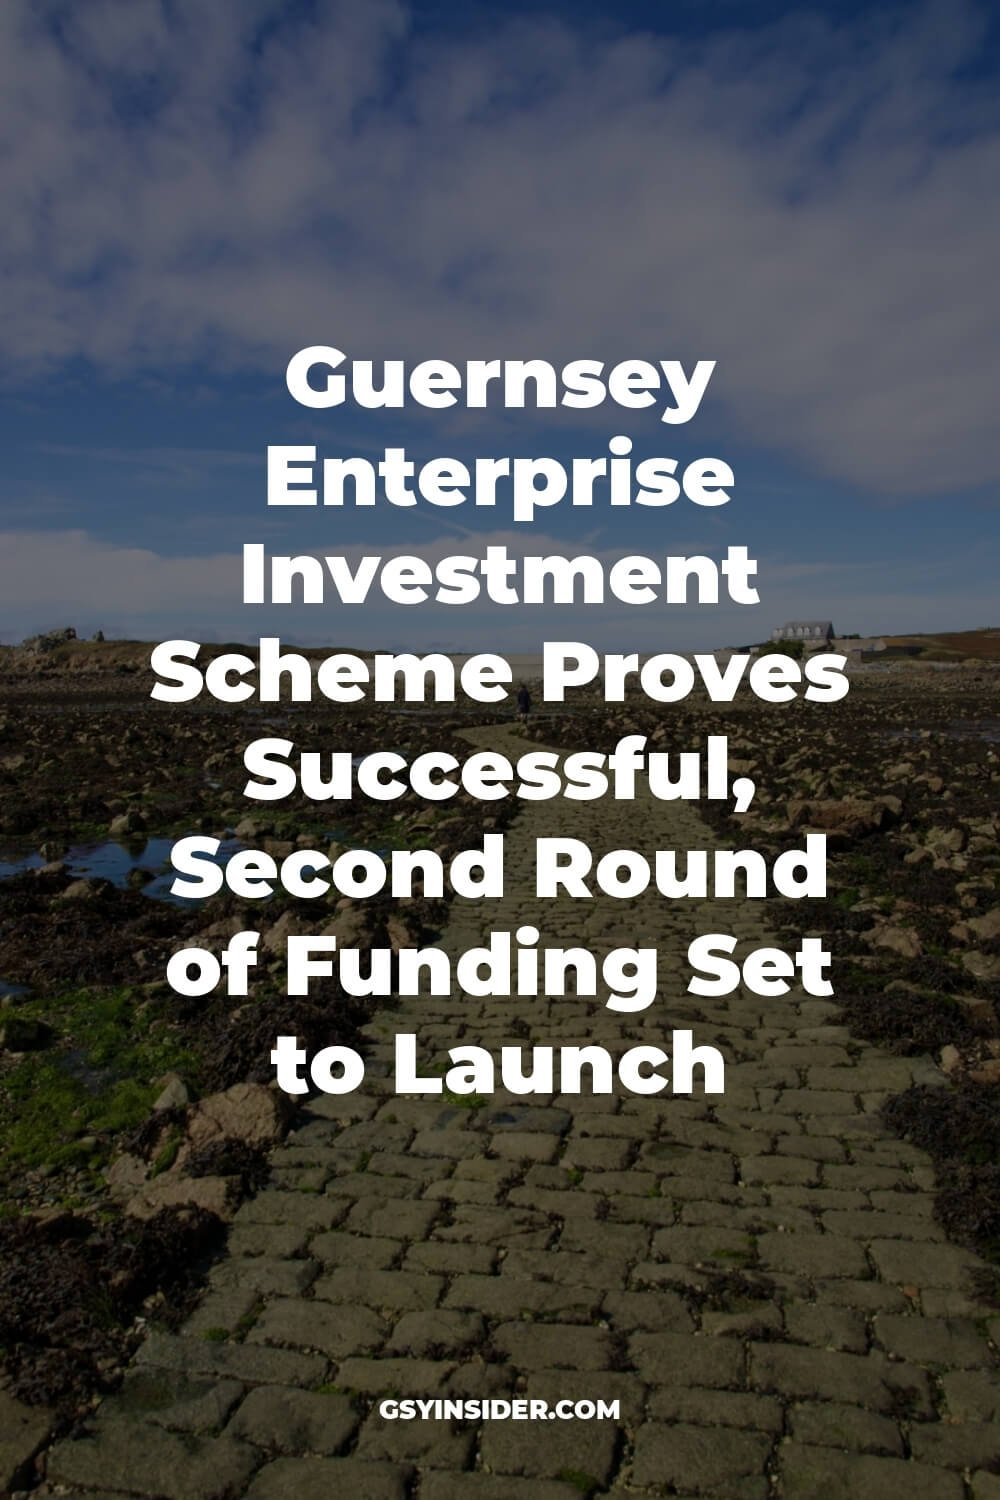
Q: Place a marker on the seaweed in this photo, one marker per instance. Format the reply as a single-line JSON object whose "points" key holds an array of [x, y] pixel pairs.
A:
{"points": [[72, 1288]]}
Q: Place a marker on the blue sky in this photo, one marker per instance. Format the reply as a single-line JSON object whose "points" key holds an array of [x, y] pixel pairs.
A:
{"points": [[806, 195]]}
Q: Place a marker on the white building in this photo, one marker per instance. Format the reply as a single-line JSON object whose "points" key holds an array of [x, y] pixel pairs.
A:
{"points": [[813, 632]]}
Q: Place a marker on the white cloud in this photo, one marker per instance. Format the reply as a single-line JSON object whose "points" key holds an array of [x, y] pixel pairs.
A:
{"points": [[56, 578], [812, 205]]}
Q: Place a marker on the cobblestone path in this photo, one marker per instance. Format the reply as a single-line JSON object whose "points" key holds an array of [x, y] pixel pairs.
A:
{"points": [[760, 1280]]}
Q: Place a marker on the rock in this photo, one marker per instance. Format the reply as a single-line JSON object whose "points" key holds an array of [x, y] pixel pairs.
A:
{"points": [[977, 1009], [23, 1034], [350, 927], [126, 823], [59, 1223], [850, 816], [249, 828], [174, 1093], [275, 938], [125, 1175], [217, 1195], [23, 1430], [951, 1059], [247, 1112], [986, 927], [901, 940], [903, 987], [279, 848], [982, 965], [987, 1071], [398, 933], [84, 890], [218, 931], [941, 840]]}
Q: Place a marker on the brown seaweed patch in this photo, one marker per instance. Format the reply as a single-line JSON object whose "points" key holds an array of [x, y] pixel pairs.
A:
{"points": [[71, 1290]]}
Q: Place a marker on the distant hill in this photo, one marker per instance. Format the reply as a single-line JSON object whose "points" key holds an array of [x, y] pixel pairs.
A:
{"points": [[124, 657], [958, 645]]}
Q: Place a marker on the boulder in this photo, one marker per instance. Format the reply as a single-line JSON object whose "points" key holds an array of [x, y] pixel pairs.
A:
{"points": [[217, 932], [986, 927], [981, 965], [275, 938], [943, 840], [125, 1175], [217, 1195], [853, 817], [398, 932], [248, 1112], [279, 848], [250, 828], [978, 1010], [174, 1093], [23, 1430], [126, 823], [349, 927], [901, 940]]}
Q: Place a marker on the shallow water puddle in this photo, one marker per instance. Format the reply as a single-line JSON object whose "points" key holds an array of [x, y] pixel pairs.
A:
{"points": [[12, 864], [115, 862]]}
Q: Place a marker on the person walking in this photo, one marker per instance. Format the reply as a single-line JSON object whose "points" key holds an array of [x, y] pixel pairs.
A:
{"points": [[523, 703]]}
